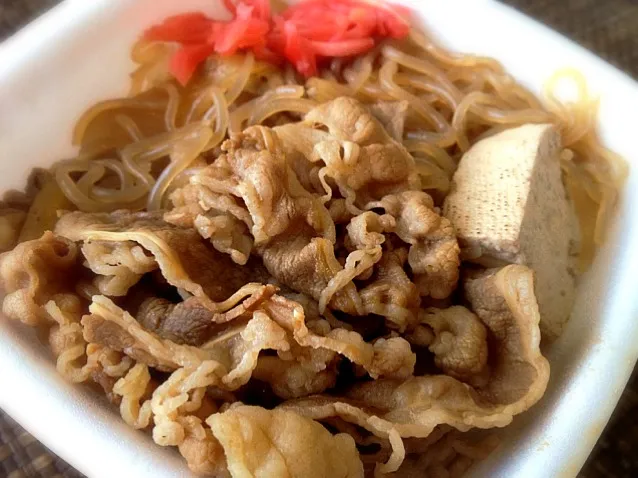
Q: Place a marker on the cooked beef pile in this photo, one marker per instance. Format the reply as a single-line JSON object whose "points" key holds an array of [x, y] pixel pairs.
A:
{"points": [[307, 268]]}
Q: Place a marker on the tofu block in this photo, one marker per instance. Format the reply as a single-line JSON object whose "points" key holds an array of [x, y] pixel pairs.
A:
{"points": [[509, 205]]}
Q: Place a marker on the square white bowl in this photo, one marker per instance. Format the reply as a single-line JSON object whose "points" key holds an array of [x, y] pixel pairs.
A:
{"points": [[78, 54]]}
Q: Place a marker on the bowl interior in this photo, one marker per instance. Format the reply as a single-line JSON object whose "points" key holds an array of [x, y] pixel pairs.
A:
{"points": [[78, 54]]}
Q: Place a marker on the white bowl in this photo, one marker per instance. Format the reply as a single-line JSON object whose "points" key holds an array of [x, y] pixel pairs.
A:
{"points": [[79, 53]]}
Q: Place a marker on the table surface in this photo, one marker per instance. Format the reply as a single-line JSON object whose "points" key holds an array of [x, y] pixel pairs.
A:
{"points": [[610, 29]]}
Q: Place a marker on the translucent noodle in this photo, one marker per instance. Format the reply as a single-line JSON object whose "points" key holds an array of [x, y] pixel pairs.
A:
{"points": [[438, 155], [184, 153], [222, 118], [110, 105], [202, 104], [170, 116], [72, 190], [580, 117], [360, 71], [446, 136], [191, 146], [477, 105], [109, 194], [512, 93], [240, 79], [90, 177], [276, 105], [432, 176], [129, 126], [421, 66], [321, 90], [449, 97], [386, 80], [243, 113]]}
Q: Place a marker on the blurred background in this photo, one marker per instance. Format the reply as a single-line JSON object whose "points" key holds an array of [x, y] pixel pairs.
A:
{"points": [[607, 27]]}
